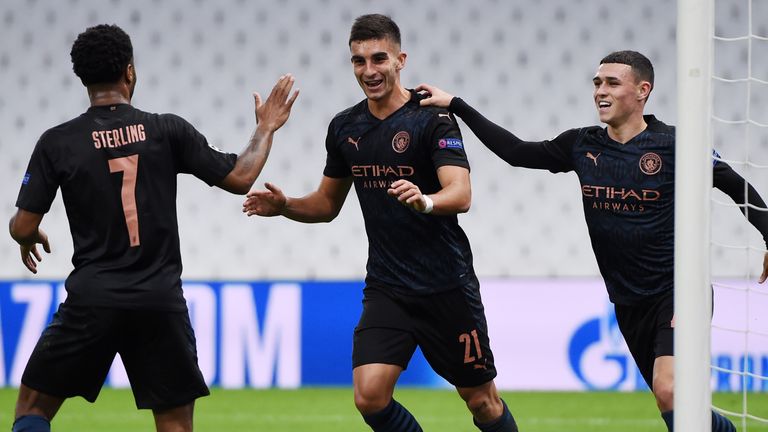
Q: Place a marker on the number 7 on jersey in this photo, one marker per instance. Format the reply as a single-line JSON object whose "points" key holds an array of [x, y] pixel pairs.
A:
{"points": [[129, 165]]}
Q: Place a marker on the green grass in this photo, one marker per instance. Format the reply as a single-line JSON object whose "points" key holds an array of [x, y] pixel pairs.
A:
{"points": [[331, 409]]}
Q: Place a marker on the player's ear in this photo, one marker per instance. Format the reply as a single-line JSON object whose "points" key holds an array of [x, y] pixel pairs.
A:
{"points": [[401, 60], [643, 90], [130, 73]]}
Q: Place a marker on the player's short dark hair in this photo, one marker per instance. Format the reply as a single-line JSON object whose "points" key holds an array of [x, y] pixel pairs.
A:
{"points": [[641, 66], [374, 26], [100, 54]]}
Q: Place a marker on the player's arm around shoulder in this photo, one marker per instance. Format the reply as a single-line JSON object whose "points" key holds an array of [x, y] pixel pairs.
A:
{"points": [[455, 196]]}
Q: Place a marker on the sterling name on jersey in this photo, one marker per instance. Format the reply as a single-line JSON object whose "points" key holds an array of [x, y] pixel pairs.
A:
{"points": [[408, 251], [116, 167]]}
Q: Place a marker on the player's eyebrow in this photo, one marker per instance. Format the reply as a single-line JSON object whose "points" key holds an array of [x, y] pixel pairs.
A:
{"points": [[377, 56], [610, 79]]}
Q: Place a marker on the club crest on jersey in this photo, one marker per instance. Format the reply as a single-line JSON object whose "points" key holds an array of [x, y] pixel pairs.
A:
{"points": [[401, 141], [650, 163]]}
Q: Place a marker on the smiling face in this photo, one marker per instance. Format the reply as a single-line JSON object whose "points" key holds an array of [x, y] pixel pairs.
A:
{"points": [[619, 95], [377, 64]]}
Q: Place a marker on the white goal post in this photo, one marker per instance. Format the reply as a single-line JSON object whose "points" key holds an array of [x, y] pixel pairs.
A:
{"points": [[693, 180]]}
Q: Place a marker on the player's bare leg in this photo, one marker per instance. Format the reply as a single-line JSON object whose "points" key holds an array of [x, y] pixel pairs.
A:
{"points": [[483, 401], [663, 390], [177, 419], [664, 382], [488, 410], [35, 410], [374, 385]]}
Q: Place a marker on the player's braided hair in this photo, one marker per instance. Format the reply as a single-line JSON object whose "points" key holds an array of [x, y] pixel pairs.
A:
{"points": [[100, 54], [374, 26]]}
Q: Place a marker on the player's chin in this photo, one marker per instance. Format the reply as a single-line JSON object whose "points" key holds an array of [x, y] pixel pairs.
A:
{"points": [[373, 95], [604, 116]]}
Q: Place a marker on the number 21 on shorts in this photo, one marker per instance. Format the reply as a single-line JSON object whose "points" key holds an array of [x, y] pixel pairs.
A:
{"points": [[470, 339]]}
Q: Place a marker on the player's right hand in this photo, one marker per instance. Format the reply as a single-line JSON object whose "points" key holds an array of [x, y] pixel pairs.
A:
{"points": [[274, 112], [270, 202], [29, 252], [434, 96]]}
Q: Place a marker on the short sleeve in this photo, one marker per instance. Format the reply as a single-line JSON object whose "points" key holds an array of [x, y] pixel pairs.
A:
{"points": [[193, 154], [335, 165], [40, 181], [445, 142]]}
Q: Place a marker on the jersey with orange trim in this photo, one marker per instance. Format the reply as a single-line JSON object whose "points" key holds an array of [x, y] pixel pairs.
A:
{"points": [[407, 250], [627, 193]]}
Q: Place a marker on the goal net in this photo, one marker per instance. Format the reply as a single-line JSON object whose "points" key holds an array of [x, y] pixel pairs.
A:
{"points": [[722, 104]]}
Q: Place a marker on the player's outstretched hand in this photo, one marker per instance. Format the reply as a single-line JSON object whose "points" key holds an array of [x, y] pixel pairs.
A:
{"points": [[274, 112], [270, 202], [29, 252], [764, 276], [407, 194], [434, 96]]}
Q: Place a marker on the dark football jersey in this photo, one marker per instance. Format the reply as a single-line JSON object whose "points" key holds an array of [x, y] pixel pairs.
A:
{"points": [[409, 251], [628, 196], [116, 167], [627, 192]]}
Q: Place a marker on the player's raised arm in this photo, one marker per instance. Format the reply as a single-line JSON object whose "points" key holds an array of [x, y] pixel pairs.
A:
{"points": [[322, 205], [507, 146], [732, 184], [25, 229], [270, 116]]}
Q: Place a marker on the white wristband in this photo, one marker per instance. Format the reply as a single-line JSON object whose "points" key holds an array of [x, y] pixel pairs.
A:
{"points": [[428, 204]]}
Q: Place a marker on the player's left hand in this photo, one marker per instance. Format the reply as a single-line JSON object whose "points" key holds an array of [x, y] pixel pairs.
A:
{"points": [[434, 96], [764, 276], [274, 112], [407, 194], [29, 252]]}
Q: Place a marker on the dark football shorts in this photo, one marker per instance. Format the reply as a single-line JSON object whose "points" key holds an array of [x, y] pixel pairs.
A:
{"points": [[647, 329], [449, 327], [76, 350]]}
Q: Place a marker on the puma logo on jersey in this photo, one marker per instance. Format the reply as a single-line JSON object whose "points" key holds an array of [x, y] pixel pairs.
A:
{"points": [[593, 157], [444, 115], [354, 142]]}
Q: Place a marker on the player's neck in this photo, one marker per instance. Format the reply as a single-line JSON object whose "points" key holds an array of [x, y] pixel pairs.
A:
{"points": [[625, 131], [102, 94], [383, 108]]}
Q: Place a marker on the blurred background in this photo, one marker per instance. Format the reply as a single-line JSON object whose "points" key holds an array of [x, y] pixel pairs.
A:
{"points": [[526, 64]]}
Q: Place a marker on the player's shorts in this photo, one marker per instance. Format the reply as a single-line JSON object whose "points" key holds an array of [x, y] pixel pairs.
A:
{"points": [[449, 327], [76, 350], [647, 329]]}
